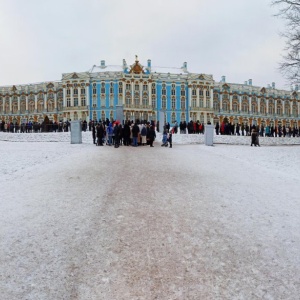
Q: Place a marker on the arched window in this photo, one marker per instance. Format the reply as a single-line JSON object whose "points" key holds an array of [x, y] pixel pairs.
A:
{"points": [[235, 106], [173, 118], [173, 103], [163, 102], [182, 117], [50, 105], [225, 105], [216, 105], [60, 104], [182, 103], [279, 110], [23, 107], [245, 107], [153, 102], [194, 102], [31, 106], [15, 107], [40, 106]]}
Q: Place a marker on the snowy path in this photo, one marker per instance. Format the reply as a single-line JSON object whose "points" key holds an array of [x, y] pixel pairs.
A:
{"points": [[192, 222]]}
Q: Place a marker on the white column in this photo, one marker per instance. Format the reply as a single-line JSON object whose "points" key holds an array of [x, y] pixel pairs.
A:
{"points": [[267, 104], [249, 103], [240, 103], [132, 93], [212, 99], [190, 97], [141, 94], [221, 102], [258, 104], [275, 110], [26, 102], [72, 96], [19, 104], [283, 107], [35, 102], [197, 93], [204, 99], [3, 104], [149, 94], [55, 100], [10, 104], [64, 98], [230, 102], [87, 92], [45, 101], [291, 107]]}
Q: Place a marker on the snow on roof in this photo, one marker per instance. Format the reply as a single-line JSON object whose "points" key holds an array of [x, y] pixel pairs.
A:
{"points": [[109, 68], [167, 70]]}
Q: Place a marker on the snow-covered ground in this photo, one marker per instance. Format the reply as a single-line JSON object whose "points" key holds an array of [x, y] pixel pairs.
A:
{"points": [[191, 222]]}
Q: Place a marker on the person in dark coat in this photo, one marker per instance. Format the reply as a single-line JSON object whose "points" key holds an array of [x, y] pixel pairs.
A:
{"points": [[170, 139], [253, 138], [94, 133], [100, 134], [117, 132], [135, 133], [151, 136], [126, 134]]}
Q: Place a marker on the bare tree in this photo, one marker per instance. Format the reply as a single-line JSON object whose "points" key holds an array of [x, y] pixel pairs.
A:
{"points": [[290, 65]]}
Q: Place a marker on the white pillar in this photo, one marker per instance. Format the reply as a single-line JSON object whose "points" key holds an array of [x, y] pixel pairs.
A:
{"points": [[190, 97], [258, 104], [230, 102], [275, 109], [212, 99], [64, 98], [55, 100], [240, 103], [45, 101], [26, 102], [221, 102], [35, 102], [72, 96], [197, 94], [149, 94], [87, 92], [283, 107], [291, 107], [249, 103], [10, 104], [204, 99], [19, 104], [267, 104]]}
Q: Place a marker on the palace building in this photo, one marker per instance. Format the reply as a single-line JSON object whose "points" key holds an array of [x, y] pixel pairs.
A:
{"points": [[143, 91]]}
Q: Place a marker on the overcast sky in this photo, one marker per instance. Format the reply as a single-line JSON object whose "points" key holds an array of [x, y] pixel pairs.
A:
{"points": [[40, 40]]}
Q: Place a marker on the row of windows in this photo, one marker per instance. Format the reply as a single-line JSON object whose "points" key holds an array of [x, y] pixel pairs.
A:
{"points": [[76, 102], [31, 107], [254, 108]]}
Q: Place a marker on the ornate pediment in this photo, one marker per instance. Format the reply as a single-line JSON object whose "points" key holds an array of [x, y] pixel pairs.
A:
{"points": [[74, 76], [136, 68], [14, 88], [295, 94], [50, 85], [263, 90]]}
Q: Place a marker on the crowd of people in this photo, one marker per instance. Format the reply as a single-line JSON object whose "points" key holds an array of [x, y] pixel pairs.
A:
{"points": [[51, 126], [115, 134], [261, 130]]}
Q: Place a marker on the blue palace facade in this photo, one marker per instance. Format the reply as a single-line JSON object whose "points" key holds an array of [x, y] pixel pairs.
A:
{"points": [[143, 91]]}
